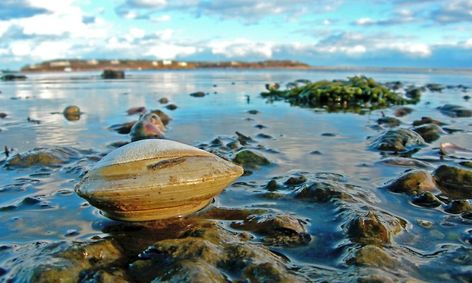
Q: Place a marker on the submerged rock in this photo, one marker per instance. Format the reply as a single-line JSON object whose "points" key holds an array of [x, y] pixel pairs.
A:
{"points": [[149, 126], [322, 192], [42, 156], [277, 229], [249, 159], [371, 255], [155, 179], [113, 74], [458, 206], [398, 140], [413, 183], [124, 128], [13, 77], [455, 111], [171, 106], [402, 111], [163, 100], [426, 199], [3, 115], [455, 182], [427, 120], [72, 113], [389, 121], [429, 132], [373, 229], [198, 94]]}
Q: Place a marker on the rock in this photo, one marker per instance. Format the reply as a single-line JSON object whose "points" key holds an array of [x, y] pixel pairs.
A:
{"points": [[377, 278], [458, 206], [450, 149], [163, 100], [13, 77], [155, 179], [195, 271], [263, 136], [243, 139], [124, 128], [249, 159], [3, 115], [389, 122], [455, 182], [113, 74], [197, 94], [414, 93], [42, 157], [426, 199], [406, 162], [398, 140], [295, 181], [466, 164], [171, 106], [136, 110], [149, 126], [373, 229], [272, 87], [402, 111], [278, 229], [435, 87], [373, 256], [455, 111], [321, 192], [253, 112], [72, 113], [429, 132], [427, 120], [164, 117], [413, 183], [272, 185]]}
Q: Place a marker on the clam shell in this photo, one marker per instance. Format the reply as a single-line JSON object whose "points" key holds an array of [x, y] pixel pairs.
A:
{"points": [[156, 179]]}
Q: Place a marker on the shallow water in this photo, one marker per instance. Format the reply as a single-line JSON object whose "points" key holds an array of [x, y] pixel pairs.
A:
{"points": [[62, 215]]}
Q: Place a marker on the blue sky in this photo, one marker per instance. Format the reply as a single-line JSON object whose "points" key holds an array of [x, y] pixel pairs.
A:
{"points": [[421, 33]]}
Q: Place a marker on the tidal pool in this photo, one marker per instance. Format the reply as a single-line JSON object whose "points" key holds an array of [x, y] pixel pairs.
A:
{"points": [[42, 217]]}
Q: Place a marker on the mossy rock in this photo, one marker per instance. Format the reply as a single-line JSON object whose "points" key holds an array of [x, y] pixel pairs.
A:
{"points": [[429, 132], [399, 140], [413, 183], [249, 159], [373, 256], [455, 182]]}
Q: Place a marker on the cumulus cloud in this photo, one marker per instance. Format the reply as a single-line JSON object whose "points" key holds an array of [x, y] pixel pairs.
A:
{"points": [[455, 11], [240, 48], [401, 16], [13, 9]]}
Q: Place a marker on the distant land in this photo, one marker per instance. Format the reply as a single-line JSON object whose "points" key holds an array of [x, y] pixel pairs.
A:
{"points": [[77, 65], [80, 65]]}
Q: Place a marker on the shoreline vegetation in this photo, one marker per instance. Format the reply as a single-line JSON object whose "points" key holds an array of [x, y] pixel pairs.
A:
{"points": [[79, 65]]}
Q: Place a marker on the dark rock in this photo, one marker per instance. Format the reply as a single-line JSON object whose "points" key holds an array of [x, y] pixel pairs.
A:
{"points": [[429, 132], [272, 185], [13, 77], [250, 159], [295, 181], [163, 100], [455, 111], [283, 230], [455, 182], [263, 136], [321, 192], [413, 183], [124, 128], [272, 87], [197, 94], [414, 93], [316, 152], [253, 112], [435, 87], [2, 272], [458, 206], [427, 120], [466, 97], [260, 127], [33, 121], [466, 164], [402, 111], [426, 199], [136, 110], [373, 229], [3, 115], [171, 106], [389, 121], [113, 74], [398, 140], [328, 134], [243, 139], [72, 113]]}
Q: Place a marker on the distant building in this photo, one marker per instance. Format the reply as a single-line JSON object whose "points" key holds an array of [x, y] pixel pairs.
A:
{"points": [[115, 62], [92, 62], [67, 69], [166, 62], [59, 64], [182, 64], [155, 63]]}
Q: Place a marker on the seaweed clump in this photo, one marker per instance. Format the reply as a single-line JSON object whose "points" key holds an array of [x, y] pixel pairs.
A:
{"points": [[352, 95]]}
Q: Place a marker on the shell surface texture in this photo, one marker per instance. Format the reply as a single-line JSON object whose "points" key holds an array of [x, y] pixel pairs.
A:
{"points": [[155, 179]]}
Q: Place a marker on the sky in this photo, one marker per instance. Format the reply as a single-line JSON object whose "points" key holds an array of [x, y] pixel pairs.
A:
{"points": [[380, 33]]}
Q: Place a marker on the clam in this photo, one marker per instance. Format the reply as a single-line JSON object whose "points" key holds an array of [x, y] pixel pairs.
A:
{"points": [[156, 179]]}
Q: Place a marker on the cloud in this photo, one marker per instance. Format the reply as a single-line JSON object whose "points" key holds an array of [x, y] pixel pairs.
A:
{"points": [[402, 16], [14, 9], [455, 11], [240, 48]]}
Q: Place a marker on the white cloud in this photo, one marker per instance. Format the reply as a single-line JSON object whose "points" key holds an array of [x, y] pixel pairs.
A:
{"points": [[170, 51], [20, 48], [48, 50], [241, 48]]}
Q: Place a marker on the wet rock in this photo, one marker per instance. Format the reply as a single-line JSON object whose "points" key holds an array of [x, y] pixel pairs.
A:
{"points": [[435, 87], [373, 228], [164, 117], [398, 140], [72, 113], [136, 110], [272, 185], [13, 77], [426, 199], [163, 100], [376, 278], [253, 112], [406, 162], [283, 230], [197, 94], [455, 111], [402, 111], [33, 121], [195, 271], [250, 159], [389, 122], [459, 206], [425, 223], [454, 150], [373, 256], [466, 164], [455, 182], [321, 192], [429, 132], [149, 126], [264, 136], [272, 87], [243, 139], [260, 127], [427, 120], [3, 115], [171, 106], [413, 183], [42, 157], [414, 93], [124, 128], [328, 134], [58, 261], [295, 181], [113, 74]]}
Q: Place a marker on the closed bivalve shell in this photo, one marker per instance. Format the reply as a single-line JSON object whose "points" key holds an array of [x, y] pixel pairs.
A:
{"points": [[156, 179]]}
